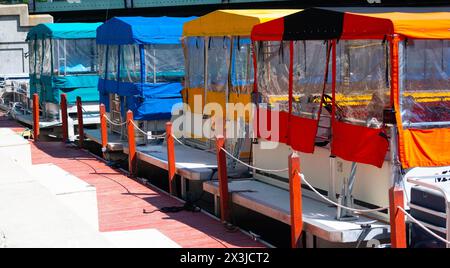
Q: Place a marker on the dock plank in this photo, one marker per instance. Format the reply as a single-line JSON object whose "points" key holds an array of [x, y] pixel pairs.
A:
{"points": [[121, 201], [318, 217]]}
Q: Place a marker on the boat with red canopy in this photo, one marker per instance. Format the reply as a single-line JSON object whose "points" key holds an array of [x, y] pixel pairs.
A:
{"points": [[363, 97]]}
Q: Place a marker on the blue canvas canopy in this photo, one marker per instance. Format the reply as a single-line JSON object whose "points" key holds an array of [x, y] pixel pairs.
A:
{"points": [[144, 63], [63, 31], [141, 30]]}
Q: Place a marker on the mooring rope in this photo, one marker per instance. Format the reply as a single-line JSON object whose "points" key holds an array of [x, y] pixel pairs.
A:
{"points": [[180, 142], [159, 136], [114, 123], [253, 167], [337, 204], [303, 179]]}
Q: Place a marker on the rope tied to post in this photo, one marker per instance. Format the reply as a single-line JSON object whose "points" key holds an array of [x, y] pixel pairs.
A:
{"points": [[180, 142], [135, 126], [360, 211]]}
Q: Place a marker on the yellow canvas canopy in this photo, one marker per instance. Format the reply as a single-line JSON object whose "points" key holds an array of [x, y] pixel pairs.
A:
{"points": [[219, 63], [218, 24], [232, 22]]}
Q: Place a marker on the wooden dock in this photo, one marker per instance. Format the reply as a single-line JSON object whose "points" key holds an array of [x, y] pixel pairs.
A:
{"points": [[121, 200]]}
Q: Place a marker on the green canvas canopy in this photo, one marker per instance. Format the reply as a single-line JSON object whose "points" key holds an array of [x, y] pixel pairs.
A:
{"points": [[63, 59], [63, 31]]}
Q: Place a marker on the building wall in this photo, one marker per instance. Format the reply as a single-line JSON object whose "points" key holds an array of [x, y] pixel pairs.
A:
{"points": [[15, 22]]}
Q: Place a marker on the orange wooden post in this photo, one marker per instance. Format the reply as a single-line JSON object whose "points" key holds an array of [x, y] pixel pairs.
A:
{"points": [[223, 178], [36, 116], [295, 192], [103, 128], [397, 218], [170, 155], [80, 121], [132, 157], [65, 126]]}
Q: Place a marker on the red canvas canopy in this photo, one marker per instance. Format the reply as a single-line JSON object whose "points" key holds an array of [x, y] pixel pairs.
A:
{"points": [[378, 41], [322, 24]]}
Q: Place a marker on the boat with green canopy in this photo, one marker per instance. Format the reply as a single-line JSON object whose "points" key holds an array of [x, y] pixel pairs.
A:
{"points": [[63, 59]]}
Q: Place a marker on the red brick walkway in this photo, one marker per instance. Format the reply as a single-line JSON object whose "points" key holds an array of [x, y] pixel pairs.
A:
{"points": [[121, 200]]}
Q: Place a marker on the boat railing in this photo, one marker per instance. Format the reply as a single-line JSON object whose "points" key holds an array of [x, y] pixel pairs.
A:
{"points": [[423, 181]]}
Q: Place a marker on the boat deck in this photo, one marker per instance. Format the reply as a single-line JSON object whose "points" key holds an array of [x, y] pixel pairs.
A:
{"points": [[318, 218], [28, 120], [121, 200], [115, 144], [191, 163]]}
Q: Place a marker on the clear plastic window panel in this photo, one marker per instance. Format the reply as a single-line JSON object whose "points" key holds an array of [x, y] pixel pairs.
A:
{"points": [[310, 59], [32, 56], [113, 52], [218, 63], [164, 63], [39, 51], [363, 87], [58, 56], [130, 64], [273, 73], [425, 87], [75, 56], [242, 74], [195, 57], [47, 60], [101, 60]]}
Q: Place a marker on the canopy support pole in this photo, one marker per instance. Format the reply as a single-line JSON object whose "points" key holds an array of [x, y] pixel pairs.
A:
{"points": [[396, 195], [332, 183]]}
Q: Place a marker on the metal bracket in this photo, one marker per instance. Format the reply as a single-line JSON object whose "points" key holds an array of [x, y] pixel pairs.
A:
{"points": [[346, 198]]}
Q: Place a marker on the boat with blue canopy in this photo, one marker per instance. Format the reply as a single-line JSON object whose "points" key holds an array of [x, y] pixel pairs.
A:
{"points": [[141, 69]]}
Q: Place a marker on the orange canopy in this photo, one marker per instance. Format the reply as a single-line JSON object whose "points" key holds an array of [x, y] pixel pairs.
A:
{"points": [[433, 25]]}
